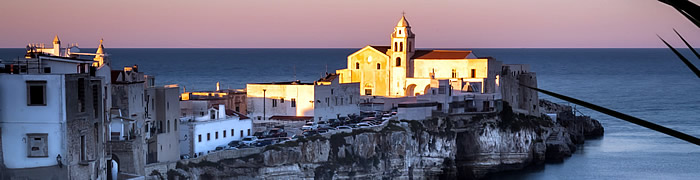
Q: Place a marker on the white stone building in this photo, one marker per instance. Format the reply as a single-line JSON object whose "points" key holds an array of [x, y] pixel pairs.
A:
{"points": [[334, 100], [289, 99], [215, 126]]}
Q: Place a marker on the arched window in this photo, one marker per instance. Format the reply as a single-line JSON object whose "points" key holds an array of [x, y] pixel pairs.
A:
{"points": [[398, 61], [396, 46], [379, 66], [357, 65], [401, 47]]}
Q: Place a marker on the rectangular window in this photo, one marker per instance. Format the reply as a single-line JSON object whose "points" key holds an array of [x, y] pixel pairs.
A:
{"points": [[241, 133], [233, 133], [81, 95], [274, 102], [83, 149], [350, 99], [216, 135], [224, 133], [199, 137], [294, 102], [36, 93], [175, 125], [208, 136], [281, 100], [368, 92], [95, 101], [37, 145], [473, 73], [248, 132]]}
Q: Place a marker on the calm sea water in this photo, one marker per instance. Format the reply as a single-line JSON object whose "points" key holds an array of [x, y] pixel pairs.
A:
{"points": [[651, 84]]}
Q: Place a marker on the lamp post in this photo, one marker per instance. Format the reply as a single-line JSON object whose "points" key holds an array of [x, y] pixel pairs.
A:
{"points": [[264, 105]]}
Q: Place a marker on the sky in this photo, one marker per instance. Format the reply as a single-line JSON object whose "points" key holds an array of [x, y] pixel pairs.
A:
{"points": [[343, 23]]}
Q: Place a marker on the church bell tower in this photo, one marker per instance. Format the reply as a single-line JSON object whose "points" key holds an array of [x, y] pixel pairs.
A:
{"points": [[402, 49]]}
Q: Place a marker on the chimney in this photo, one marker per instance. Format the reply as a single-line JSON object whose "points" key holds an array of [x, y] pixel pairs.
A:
{"points": [[222, 111]]}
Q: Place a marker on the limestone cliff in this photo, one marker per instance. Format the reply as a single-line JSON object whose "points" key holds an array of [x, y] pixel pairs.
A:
{"points": [[468, 147]]}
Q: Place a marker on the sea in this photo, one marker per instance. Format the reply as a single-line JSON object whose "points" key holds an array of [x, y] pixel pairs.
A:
{"points": [[651, 84]]}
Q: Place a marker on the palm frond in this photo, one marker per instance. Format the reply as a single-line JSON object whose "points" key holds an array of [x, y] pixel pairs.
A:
{"points": [[687, 44], [690, 10], [623, 116], [686, 61]]}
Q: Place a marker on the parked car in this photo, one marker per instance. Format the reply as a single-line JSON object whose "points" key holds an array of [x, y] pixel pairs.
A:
{"points": [[310, 133], [363, 125], [264, 142], [322, 131], [234, 143], [309, 126], [259, 134], [219, 148], [249, 140], [276, 132], [344, 128]]}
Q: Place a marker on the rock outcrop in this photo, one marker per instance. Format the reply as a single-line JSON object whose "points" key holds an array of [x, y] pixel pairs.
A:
{"points": [[462, 147]]}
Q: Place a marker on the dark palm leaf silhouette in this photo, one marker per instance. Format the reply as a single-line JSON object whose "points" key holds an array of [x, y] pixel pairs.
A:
{"points": [[692, 12], [688, 9], [622, 116]]}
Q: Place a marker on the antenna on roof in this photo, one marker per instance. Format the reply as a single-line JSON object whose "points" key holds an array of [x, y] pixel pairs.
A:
{"points": [[326, 68]]}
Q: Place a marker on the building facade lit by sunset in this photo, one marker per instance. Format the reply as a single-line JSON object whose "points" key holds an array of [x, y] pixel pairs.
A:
{"points": [[401, 70]]}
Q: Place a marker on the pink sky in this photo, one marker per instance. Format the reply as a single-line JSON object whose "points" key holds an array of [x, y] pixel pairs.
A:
{"points": [[343, 24]]}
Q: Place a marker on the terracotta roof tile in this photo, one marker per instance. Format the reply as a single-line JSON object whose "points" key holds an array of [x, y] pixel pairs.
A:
{"points": [[440, 54]]}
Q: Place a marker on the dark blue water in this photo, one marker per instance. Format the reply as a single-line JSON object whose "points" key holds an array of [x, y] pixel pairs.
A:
{"points": [[651, 84]]}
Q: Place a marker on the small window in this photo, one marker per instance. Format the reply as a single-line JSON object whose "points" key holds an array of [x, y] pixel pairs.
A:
{"points": [[216, 135], [454, 73], [168, 125], [281, 100], [350, 99], [224, 133], [400, 46], [81, 94], [208, 136], [37, 145], [95, 101], [379, 66], [294, 102], [331, 91], [176, 122], [36, 93], [399, 31], [398, 61], [233, 133], [368, 92], [241, 133], [396, 46], [473, 73], [201, 113], [83, 149], [248, 132], [274, 102], [199, 137], [357, 65]]}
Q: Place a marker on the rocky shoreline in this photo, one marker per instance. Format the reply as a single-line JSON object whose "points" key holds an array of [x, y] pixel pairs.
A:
{"points": [[454, 147]]}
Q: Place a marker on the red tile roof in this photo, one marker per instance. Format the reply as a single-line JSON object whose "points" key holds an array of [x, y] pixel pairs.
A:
{"points": [[440, 54], [383, 49]]}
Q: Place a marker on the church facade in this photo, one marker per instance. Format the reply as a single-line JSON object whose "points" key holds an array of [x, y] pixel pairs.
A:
{"points": [[400, 69]]}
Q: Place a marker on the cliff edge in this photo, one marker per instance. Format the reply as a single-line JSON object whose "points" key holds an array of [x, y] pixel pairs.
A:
{"points": [[454, 147]]}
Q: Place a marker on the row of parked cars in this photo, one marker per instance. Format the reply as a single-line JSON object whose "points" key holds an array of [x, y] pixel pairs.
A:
{"points": [[258, 139], [347, 124]]}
